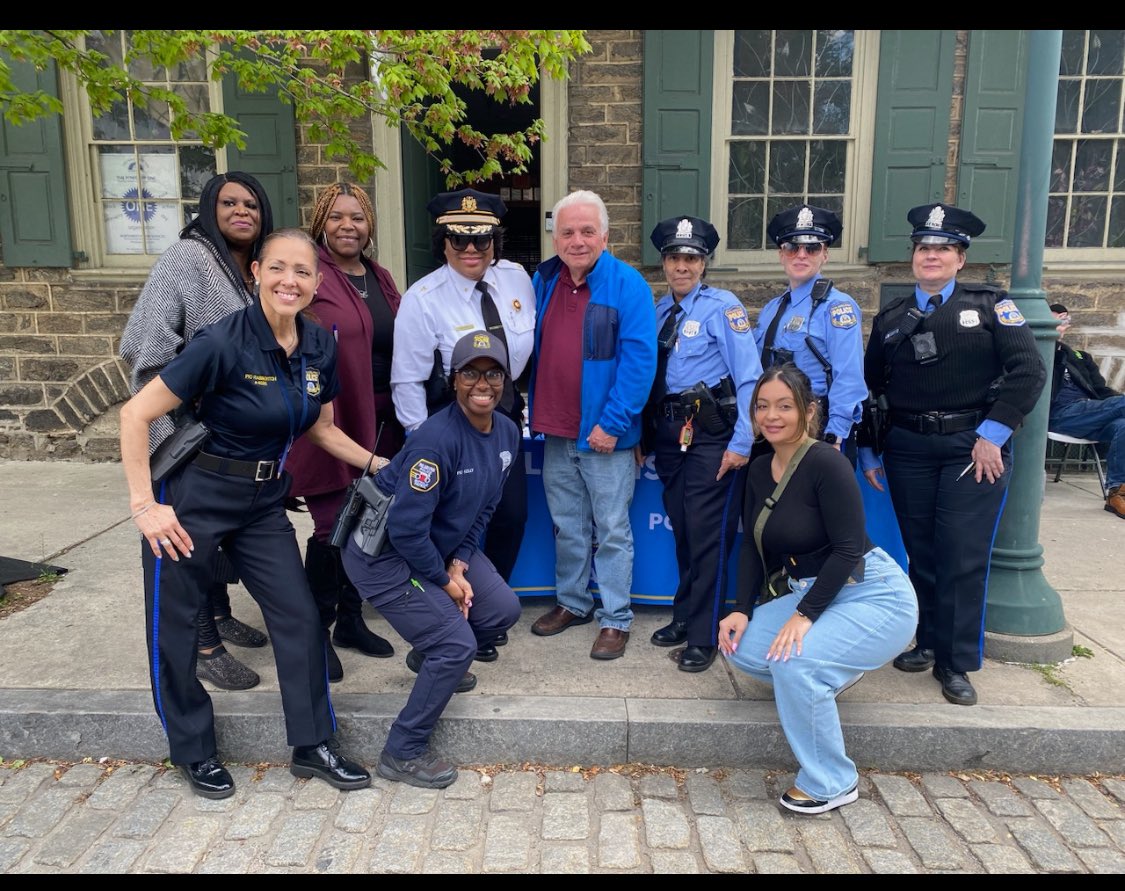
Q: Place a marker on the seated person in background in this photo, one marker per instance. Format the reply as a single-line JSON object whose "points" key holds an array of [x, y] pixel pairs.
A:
{"points": [[1083, 406]]}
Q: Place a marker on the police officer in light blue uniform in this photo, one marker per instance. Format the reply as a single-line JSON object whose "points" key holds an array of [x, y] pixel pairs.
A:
{"points": [[697, 421], [813, 324]]}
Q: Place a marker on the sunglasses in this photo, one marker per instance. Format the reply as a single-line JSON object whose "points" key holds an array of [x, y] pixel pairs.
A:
{"points": [[460, 243], [811, 248], [471, 375]]}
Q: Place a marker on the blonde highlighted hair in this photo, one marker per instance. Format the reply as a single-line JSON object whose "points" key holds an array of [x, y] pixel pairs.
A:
{"points": [[328, 198]]}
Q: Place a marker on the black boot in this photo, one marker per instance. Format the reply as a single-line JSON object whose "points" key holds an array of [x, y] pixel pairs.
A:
{"points": [[351, 631], [320, 568]]}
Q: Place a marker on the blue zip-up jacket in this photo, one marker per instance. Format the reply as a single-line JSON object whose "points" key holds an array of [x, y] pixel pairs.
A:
{"points": [[618, 347]]}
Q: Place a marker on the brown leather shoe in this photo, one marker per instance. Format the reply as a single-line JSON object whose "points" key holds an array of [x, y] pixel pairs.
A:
{"points": [[558, 619], [610, 644], [1115, 503]]}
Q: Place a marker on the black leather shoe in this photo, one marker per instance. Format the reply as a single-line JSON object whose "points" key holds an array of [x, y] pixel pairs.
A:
{"points": [[697, 658], [955, 686], [352, 632], [335, 669], [425, 771], [414, 661], [670, 635], [325, 761], [501, 641], [487, 653], [209, 778], [915, 660]]}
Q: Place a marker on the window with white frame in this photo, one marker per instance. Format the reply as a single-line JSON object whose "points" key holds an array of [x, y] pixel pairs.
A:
{"points": [[1086, 203], [787, 113]]}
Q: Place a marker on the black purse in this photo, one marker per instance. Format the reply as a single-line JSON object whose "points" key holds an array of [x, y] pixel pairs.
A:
{"points": [[179, 448]]}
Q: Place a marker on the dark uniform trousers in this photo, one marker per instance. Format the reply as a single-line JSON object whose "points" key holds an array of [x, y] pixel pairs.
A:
{"points": [[704, 513], [249, 520], [948, 526], [427, 618], [504, 535]]}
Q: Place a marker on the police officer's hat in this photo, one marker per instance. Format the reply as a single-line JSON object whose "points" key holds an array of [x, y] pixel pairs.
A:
{"points": [[943, 224], [805, 224], [467, 212], [685, 235], [478, 345]]}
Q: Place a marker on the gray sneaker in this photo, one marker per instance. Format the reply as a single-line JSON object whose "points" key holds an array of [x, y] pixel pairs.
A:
{"points": [[425, 771], [225, 672]]}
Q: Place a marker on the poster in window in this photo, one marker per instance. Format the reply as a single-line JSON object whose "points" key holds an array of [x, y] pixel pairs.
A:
{"points": [[137, 225]]}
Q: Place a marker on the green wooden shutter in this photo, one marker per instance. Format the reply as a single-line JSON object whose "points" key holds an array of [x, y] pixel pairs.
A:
{"points": [[911, 134], [421, 180], [995, 84], [34, 216], [677, 129], [271, 147]]}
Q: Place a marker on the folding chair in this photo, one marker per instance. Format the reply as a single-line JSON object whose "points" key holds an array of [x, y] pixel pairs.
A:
{"points": [[1083, 445]]}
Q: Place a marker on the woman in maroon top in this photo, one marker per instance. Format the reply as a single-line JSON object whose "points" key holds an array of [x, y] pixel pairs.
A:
{"points": [[357, 301]]}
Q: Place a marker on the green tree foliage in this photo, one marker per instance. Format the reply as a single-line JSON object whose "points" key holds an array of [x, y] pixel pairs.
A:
{"points": [[413, 80]]}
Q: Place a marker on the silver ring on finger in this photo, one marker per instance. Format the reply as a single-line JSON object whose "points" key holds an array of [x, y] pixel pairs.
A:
{"points": [[165, 541]]}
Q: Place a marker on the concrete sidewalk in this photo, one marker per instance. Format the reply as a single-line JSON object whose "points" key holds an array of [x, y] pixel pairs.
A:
{"points": [[73, 680]]}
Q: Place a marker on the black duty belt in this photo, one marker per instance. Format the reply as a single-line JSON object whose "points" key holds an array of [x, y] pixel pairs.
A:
{"points": [[259, 471], [940, 422]]}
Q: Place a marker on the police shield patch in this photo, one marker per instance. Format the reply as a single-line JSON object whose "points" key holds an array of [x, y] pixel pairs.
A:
{"points": [[843, 315], [1009, 314], [312, 381], [424, 475], [691, 328], [736, 318]]}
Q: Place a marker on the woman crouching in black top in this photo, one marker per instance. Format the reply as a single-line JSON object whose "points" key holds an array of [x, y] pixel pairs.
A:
{"points": [[849, 607]]}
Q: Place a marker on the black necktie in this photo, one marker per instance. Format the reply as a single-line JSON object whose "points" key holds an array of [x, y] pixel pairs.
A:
{"points": [[933, 303], [771, 331], [665, 340], [495, 327]]}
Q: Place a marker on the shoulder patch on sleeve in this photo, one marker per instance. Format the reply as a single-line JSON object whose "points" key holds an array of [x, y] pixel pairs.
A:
{"points": [[843, 315], [1009, 314], [424, 475], [736, 318]]}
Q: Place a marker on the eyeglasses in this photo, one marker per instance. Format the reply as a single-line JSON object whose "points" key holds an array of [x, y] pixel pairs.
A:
{"points": [[811, 248], [471, 375], [460, 243]]}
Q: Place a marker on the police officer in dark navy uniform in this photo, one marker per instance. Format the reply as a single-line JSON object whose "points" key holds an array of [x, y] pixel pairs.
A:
{"points": [[959, 369], [814, 325], [698, 423], [262, 376]]}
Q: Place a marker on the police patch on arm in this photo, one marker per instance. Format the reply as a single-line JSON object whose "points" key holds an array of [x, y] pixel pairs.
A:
{"points": [[424, 475], [1009, 314], [843, 315], [736, 318]]}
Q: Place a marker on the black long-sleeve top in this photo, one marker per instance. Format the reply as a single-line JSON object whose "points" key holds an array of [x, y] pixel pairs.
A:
{"points": [[817, 528]]}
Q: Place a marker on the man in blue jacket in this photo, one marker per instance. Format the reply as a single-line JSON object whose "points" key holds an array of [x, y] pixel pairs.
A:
{"points": [[594, 362]]}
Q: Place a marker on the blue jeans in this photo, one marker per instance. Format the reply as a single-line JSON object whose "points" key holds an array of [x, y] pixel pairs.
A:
{"points": [[866, 625], [586, 490], [1100, 419]]}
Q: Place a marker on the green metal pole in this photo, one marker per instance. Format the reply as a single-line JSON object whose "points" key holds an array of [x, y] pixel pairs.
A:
{"points": [[1020, 601]]}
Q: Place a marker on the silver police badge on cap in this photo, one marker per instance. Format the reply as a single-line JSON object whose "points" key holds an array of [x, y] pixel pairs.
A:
{"points": [[804, 218], [936, 219], [683, 229]]}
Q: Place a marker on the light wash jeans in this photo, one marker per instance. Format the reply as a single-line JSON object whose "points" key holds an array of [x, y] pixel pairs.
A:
{"points": [[584, 490], [1100, 419], [865, 626]]}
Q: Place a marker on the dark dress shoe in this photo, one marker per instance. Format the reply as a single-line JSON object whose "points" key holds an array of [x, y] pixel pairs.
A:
{"points": [[955, 686], [917, 659], [352, 632], [332, 661], [670, 635], [558, 619], [610, 644], [487, 653], [414, 660], [697, 658], [502, 640], [325, 761], [425, 771], [209, 778]]}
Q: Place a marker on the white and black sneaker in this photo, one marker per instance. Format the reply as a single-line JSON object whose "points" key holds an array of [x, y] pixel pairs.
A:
{"points": [[800, 803]]}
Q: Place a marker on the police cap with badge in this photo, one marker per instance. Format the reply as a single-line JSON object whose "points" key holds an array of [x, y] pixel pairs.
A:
{"points": [[943, 224], [467, 211], [685, 235], [478, 345], [805, 224]]}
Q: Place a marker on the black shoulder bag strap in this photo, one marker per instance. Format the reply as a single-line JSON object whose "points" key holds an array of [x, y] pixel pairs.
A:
{"points": [[820, 295], [771, 331], [764, 514]]}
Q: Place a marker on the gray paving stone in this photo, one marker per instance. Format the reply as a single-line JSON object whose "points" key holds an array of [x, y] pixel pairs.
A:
{"points": [[314, 795], [776, 864], [619, 842], [513, 791], [613, 792], [1115, 786], [469, 784], [763, 828], [358, 810], [339, 853], [73, 837], [1072, 824], [23, 781], [458, 825], [147, 814], [12, 851], [227, 857], [295, 840], [566, 816], [114, 856], [216, 805], [256, 815], [564, 781], [968, 820], [276, 779], [7, 809], [666, 824], [81, 775], [445, 863], [507, 844], [826, 847], [704, 795], [1044, 850], [942, 785], [658, 785], [883, 862], [1115, 829], [399, 846], [742, 784], [121, 786], [1001, 859], [718, 841], [564, 860], [412, 800], [1088, 797], [43, 811], [1103, 861], [181, 848], [1034, 788], [867, 825], [933, 843], [999, 799], [901, 796]]}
